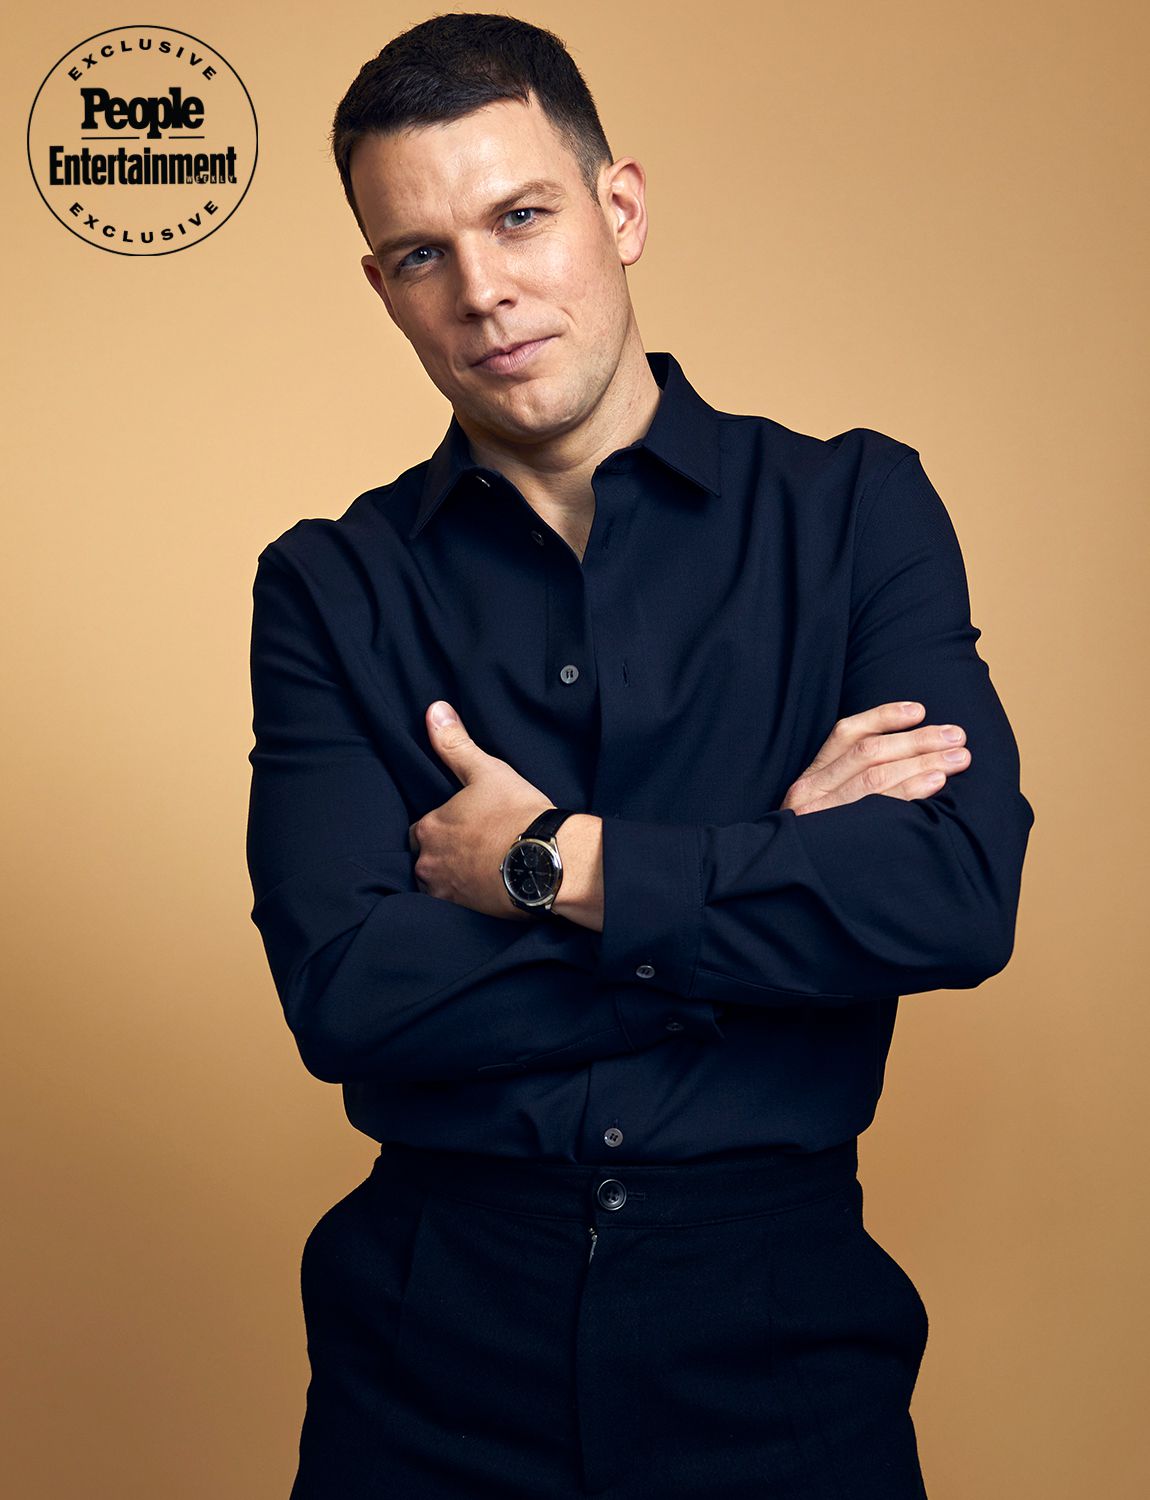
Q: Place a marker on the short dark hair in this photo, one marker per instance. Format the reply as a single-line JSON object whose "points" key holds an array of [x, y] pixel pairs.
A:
{"points": [[453, 64]]}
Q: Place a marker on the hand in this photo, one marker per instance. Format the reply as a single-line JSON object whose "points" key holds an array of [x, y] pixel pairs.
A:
{"points": [[462, 842], [865, 753]]}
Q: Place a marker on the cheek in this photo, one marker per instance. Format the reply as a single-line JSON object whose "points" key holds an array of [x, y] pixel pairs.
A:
{"points": [[568, 272], [423, 321]]}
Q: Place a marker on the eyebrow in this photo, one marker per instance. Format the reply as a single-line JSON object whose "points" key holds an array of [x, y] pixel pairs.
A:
{"points": [[538, 188]]}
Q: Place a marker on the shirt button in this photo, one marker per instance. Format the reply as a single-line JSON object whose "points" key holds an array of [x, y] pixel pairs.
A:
{"points": [[569, 673], [612, 1194], [673, 1025], [645, 971], [538, 536], [614, 1136]]}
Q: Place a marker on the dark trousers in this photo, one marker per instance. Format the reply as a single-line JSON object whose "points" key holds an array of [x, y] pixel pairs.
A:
{"points": [[543, 1330]]}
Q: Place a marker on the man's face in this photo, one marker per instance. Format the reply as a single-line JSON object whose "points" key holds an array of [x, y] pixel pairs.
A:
{"points": [[480, 266]]}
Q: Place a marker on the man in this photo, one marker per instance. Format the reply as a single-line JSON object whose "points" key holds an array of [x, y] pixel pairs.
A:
{"points": [[607, 956]]}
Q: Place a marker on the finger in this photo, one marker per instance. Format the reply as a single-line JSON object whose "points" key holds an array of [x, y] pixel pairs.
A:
{"points": [[910, 780], [945, 742], [872, 749], [884, 776], [879, 720]]}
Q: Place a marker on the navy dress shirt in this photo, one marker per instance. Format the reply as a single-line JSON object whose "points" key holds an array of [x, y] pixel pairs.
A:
{"points": [[743, 587]]}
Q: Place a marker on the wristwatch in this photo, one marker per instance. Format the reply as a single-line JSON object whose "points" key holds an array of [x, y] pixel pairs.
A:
{"points": [[532, 870]]}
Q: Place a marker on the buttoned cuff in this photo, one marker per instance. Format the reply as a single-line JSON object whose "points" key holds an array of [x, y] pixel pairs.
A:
{"points": [[652, 916]]}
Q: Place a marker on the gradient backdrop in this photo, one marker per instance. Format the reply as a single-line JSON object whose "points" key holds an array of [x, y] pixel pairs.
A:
{"points": [[926, 218]]}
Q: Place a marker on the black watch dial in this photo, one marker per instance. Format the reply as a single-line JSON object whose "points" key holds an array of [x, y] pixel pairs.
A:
{"points": [[531, 871]]}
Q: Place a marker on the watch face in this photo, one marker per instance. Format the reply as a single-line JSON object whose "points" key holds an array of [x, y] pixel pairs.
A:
{"points": [[530, 870]]}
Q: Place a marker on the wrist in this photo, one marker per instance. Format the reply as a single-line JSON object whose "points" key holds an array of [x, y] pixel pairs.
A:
{"points": [[580, 844]]}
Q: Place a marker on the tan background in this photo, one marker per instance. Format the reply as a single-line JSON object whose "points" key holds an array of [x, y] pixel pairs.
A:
{"points": [[925, 218]]}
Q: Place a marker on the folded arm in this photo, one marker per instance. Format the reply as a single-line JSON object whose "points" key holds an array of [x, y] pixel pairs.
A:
{"points": [[878, 897], [377, 978]]}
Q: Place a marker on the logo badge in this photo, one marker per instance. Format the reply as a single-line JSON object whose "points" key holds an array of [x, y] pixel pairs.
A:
{"points": [[142, 140]]}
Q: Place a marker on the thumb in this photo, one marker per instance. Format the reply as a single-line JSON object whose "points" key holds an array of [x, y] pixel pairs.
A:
{"points": [[451, 739]]}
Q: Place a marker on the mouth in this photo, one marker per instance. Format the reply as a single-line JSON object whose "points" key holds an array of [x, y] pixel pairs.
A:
{"points": [[508, 361]]}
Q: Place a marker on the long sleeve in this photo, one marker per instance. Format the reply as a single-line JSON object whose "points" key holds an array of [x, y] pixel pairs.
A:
{"points": [[881, 896], [378, 979]]}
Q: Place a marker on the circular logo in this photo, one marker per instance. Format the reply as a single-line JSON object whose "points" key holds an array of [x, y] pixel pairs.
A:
{"points": [[142, 140]]}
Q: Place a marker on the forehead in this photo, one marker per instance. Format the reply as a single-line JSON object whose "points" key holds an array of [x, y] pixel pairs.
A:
{"points": [[449, 172]]}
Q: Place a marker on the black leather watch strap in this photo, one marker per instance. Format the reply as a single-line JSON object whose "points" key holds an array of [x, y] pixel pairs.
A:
{"points": [[546, 825]]}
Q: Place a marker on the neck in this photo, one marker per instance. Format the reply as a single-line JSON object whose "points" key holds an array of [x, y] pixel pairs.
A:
{"points": [[554, 475]]}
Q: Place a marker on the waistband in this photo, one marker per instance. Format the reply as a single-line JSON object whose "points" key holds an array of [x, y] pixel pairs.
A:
{"points": [[648, 1193]]}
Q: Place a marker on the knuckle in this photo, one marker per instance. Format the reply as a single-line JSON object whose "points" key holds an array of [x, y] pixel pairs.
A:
{"points": [[803, 795], [873, 779], [868, 747], [803, 789], [810, 803]]}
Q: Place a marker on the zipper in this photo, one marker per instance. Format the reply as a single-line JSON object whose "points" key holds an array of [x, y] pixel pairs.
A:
{"points": [[594, 1241]]}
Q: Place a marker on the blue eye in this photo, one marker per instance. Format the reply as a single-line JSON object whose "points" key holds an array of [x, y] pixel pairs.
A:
{"points": [[523, 224], [403, 263]]}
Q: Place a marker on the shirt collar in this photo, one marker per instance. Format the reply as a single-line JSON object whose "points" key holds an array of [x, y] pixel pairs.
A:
{"points": [[684, 435]]}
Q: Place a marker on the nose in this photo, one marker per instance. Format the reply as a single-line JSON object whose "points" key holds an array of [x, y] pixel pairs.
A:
{"points": [[483, 280]]}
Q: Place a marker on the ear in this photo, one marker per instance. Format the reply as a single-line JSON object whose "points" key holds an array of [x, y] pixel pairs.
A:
{"points": [[623, 193], [375, 277]]}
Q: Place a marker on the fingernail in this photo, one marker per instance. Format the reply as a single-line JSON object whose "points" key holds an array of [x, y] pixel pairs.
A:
{"points": [[442, 714]]}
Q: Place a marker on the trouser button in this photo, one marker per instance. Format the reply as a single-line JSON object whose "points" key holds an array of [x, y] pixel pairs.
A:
{"points": [[612, 1194]]}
